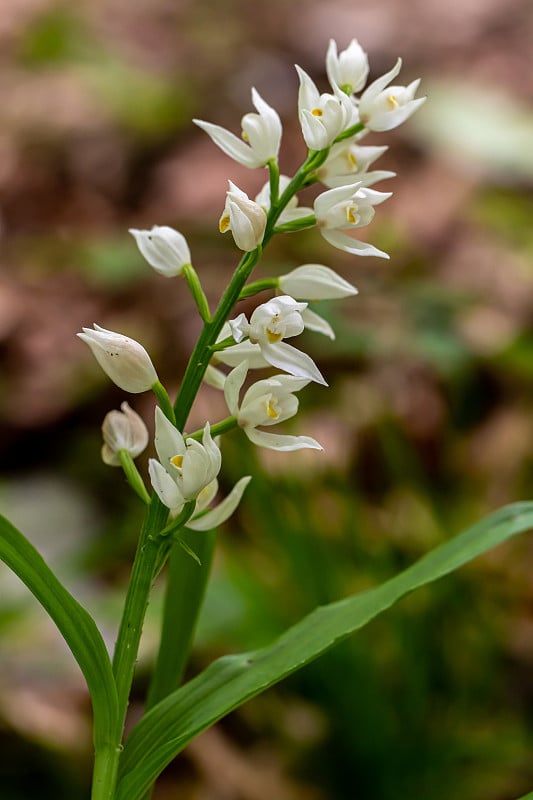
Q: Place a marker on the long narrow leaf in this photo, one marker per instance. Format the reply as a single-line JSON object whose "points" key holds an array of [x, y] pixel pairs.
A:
{"points": [[231, 680], [74, 622]]}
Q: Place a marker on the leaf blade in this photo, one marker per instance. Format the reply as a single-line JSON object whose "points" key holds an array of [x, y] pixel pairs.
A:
{"points": [[74, 623], [231, 680]]}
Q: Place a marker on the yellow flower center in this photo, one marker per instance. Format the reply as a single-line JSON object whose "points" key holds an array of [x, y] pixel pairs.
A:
{"points": [[224, 223], [351, 214], [271, 409], [352, 161], [244, 136], [177, 461], [272, 336], [392, 102], [317, 112]]}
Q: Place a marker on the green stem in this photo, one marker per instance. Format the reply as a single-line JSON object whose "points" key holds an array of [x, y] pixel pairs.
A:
{"points": [[193, 282], [142, 575], [107, 758], [187, 581], [164, 401], [132, 475], [105, 772], [217, 429], [258, 286]]}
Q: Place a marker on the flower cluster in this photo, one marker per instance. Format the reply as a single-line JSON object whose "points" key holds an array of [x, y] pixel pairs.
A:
{"points": [[333, 123]]}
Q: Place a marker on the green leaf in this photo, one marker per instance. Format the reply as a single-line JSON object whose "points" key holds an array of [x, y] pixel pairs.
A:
{"points": [[75, 624], [231, 680], [527, 796]]}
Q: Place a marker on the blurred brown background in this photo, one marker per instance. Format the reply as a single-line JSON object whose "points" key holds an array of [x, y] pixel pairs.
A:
{"points": [[427, 423]]}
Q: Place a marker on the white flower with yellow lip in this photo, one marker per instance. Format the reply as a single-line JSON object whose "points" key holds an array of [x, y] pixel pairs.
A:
{"points": [[123, 360], [348, 162], [347, 69], [270, 323], [384, 107], [265, 403], [187, 470], [261, 135], [322, 116], [185, 467], [344, 208], [244, 218]]}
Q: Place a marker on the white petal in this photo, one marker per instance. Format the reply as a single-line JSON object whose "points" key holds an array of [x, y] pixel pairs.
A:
{"points": [[165, 488], [345, 242], [230, 144], [375, 88], [168, 440], [214, 377], [278, 441], [295, 362], [233, 386], [223, 511], [314, 322]]}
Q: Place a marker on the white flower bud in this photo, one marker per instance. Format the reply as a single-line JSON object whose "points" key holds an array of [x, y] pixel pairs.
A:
{"points": [[123, 360], [123, 430], [315, 282], [348, 69], [244, 218], [165, 249]]}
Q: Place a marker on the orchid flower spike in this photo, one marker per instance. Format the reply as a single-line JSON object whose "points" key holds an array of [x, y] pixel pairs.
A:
{"points": [[270, 323], [165, 249], [244, 218], [349, 69], [123, 430], [261, 133], [123, 360], [266, 403], [381, 108]]}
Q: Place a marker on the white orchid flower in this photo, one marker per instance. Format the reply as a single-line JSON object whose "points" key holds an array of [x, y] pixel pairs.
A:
{"points": [[187, 470], [269, 324], [123, 430], [266, 403], [165, 249], [185, 467], [348, 162], [322, 116], [381, 108], [123, 360], [244, 218], [347, 207], [348, 69], [315, 282], [261, 133]]}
